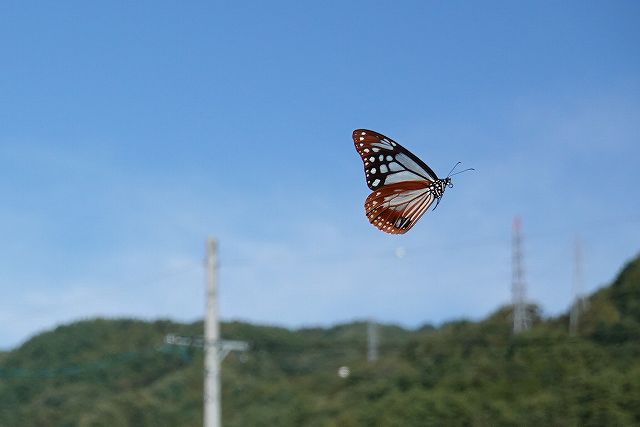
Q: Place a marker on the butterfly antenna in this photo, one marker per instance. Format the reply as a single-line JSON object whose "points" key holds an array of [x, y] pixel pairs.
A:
{"points": [[452, 169], [466, 170]]}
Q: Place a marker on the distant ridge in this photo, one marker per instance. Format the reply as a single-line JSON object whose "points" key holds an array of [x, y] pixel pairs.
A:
{"points": [[103, 372]]}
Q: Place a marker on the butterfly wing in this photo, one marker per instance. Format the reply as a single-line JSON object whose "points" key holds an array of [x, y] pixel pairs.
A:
{"points": [[387, 162], [395, 208], [400, 181]]}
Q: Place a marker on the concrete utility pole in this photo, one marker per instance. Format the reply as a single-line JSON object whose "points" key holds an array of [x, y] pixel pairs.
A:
{"points": [[372, 341], [212, 416], [579, 303], [521, 320], [215, 349]]}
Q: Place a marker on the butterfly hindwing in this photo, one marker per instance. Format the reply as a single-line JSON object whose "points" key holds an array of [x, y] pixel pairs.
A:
{"points": [[395, 208], [387, 162]]}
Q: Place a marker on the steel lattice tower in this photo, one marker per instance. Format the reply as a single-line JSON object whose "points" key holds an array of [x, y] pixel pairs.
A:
{"points": [[579, 302], [518, 285]]}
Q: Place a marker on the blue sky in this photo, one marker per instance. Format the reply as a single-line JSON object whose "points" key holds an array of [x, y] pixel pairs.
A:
{"points": [[131, 132]]}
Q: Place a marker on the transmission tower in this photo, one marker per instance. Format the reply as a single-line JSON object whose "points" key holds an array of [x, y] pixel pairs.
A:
{"points": [[521, 319], [579, 303]]}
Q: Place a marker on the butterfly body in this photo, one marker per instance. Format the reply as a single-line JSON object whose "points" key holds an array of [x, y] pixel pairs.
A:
{"points": [[404, 187]]}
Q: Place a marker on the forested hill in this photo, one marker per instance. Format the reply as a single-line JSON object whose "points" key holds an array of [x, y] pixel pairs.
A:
{"points": [[118, 373]]}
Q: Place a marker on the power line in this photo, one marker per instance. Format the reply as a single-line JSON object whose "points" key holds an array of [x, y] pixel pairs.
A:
{"points": [[454, 246], [79, 369], [333, 349]]}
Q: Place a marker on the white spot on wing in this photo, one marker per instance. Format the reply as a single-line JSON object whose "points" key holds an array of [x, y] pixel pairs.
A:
{"points": [[395, 167]]}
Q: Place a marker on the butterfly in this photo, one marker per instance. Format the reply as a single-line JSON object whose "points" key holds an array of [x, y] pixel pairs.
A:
{"points": [[404, 187]]}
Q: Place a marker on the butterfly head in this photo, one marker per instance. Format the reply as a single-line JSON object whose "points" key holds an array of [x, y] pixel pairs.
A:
{"points": [[448, 183]]}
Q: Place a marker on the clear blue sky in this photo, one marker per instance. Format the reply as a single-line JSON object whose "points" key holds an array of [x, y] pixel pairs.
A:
{"points": [[129, 132]]}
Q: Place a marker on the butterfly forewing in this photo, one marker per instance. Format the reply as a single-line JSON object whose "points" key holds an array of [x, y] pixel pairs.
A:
{"points": [[387, 162]]}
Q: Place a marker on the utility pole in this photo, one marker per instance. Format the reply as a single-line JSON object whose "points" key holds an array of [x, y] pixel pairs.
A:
{"points": [[215, 349], [372, 341], [521, 320], [579, 303], [212, 417]]}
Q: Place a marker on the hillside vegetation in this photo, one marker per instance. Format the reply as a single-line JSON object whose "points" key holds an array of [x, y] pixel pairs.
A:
{"points": [[118, 373]]}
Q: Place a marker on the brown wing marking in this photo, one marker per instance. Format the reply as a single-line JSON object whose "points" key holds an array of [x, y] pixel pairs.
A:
{"points": [[395, 208]]}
